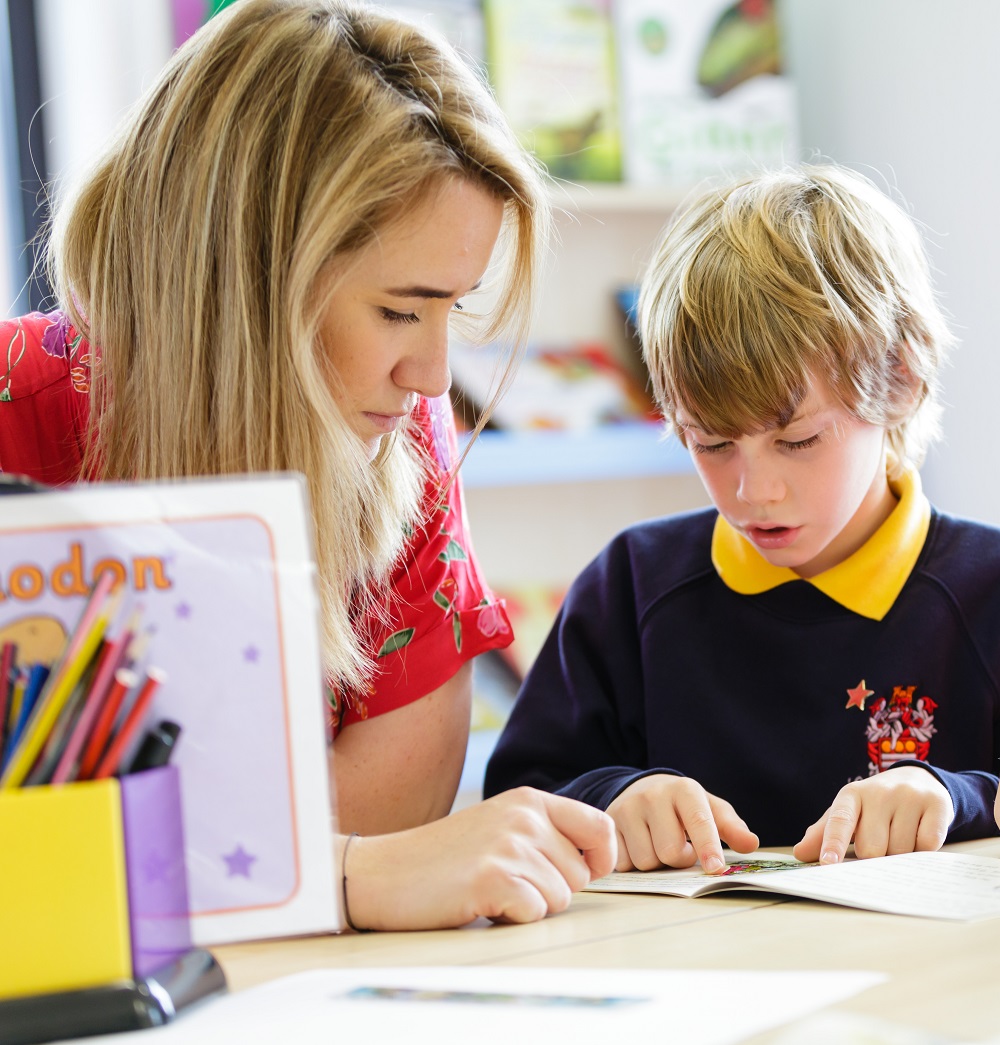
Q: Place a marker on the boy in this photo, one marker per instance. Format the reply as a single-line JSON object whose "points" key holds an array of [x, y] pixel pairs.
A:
{"points": [[819, 654]]}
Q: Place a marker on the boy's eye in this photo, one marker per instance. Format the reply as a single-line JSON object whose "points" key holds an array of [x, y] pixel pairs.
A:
{"points": [[801, 444], [709, 448], [390, 315]]}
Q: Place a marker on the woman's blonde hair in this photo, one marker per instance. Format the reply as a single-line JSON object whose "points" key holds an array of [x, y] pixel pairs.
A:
{"points": [[786, 275], [197, 254]]}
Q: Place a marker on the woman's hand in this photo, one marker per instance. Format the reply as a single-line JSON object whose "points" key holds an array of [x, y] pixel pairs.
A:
{"points": [[513, 858]]}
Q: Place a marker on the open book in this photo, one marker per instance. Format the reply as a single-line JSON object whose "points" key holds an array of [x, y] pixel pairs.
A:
{"points": [[957, 886]]}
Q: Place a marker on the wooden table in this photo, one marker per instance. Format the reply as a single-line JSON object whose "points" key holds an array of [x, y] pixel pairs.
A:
{"points": [[944, 977]]}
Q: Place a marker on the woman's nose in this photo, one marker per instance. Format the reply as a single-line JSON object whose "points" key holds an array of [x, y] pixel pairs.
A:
{"points": [[426, 370]]}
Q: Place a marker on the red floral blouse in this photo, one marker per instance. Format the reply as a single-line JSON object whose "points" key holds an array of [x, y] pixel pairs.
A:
{"points": [[441, 613]]}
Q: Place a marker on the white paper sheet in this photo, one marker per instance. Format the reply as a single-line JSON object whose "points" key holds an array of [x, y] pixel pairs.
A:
{"points": [[316, 1007]]}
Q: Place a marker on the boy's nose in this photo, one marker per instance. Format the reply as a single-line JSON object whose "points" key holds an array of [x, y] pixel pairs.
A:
{"points": [[760, 485]]}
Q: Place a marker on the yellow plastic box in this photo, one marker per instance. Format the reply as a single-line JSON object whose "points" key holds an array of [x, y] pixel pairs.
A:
{"points": [[92, 882]]}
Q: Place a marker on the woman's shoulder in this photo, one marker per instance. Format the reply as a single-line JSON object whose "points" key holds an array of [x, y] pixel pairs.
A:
{"points": [[38, 350]]}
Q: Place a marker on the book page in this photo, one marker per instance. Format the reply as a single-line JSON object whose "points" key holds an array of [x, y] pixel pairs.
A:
{"points": [[694, 882], [955, 886]]}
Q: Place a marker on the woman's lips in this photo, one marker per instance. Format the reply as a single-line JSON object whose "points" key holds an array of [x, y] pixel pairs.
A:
{"points": [[384, 423], [771, 538]]}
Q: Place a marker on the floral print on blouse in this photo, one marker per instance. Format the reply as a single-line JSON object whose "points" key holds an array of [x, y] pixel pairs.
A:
{"points": [[441, 612]]}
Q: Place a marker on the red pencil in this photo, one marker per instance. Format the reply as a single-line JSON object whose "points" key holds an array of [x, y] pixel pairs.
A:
{"points": [[112, 659], [125, 679], [108, 765]]}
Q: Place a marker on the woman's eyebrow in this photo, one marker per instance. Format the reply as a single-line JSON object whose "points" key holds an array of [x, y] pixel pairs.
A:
{"points": [[426, 292]]}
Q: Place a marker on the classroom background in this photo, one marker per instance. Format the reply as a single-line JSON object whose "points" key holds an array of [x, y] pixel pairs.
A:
{"points": [[905, 91]]}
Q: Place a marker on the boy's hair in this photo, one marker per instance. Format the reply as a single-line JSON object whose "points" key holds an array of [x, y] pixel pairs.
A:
{"points": [[199, 252], [785, 275]]}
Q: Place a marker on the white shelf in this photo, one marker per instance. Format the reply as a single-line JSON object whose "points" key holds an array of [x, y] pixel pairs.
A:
{"points": [[519, 458], [616, 197]]}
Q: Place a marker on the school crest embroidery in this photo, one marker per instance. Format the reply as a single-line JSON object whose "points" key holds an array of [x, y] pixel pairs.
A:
{"points": [[899, 727]]}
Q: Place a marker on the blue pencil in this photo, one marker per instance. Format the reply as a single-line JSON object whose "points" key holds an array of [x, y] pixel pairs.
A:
{"points": [[36, 680]]}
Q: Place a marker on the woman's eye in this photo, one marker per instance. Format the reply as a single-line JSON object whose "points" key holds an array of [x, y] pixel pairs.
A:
{"points": [[802, 444], [390, 315]]}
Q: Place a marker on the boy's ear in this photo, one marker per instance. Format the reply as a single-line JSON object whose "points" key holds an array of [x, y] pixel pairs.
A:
{"points": [[910, 388]]}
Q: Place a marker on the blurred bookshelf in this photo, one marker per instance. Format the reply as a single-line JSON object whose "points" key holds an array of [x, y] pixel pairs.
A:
{"points": [[526, 458], [597, 197]]}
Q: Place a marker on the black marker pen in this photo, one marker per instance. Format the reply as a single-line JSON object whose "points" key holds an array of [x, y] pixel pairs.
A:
{"points": [[156, 748], [120, 1006]]}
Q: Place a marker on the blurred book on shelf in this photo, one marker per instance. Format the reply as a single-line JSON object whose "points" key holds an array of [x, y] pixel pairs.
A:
{"points": [[460, 22], [702, 90], [532, 608], [568, 387], [627, 303], [552, 65], [647, 92], [497, 676]]}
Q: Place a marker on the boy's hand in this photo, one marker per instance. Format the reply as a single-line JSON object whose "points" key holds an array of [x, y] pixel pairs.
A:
{"points": [[900, 811], [673, 821]]}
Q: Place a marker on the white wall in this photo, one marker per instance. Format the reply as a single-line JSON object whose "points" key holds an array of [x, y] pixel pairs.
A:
{"points": [[909, 91], [96, 58]]}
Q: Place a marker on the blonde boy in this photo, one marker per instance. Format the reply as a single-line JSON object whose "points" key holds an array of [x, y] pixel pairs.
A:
{"points": [[814, 661]]}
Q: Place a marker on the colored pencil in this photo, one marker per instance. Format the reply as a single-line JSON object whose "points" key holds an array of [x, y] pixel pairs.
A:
{"points": [[34, 682], [45, 764], [80, 652], [113, 656], [112, 758], [14, 720], [7, 656], [124, 679]]}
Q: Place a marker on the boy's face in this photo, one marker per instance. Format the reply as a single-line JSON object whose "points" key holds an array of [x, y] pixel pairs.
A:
{"points": [[806, 496]]}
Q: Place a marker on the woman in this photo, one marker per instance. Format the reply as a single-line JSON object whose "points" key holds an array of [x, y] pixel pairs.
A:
{"points": [[269, 256]]}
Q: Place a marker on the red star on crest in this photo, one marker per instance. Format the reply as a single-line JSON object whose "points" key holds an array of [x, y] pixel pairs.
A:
{"points": [[856, 697]]}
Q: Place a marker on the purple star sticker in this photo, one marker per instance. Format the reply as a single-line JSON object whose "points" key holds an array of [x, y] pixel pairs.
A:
{"points": [[183, 610], [238, 862], [251, 654]]}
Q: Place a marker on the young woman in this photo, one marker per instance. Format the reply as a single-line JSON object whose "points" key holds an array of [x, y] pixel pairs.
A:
{"points": [[260, 274]]}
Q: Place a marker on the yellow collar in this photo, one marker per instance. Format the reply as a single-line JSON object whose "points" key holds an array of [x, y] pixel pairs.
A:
{"points": [[867, 583]]}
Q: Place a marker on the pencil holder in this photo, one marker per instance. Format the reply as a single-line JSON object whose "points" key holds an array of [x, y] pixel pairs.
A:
{"points": [[93, 886]]}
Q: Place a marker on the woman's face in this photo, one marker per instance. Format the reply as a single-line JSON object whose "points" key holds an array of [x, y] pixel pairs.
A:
{"points": [[385, 326]]}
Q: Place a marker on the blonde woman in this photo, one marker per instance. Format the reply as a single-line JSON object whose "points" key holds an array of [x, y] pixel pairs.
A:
{"points": [[260, 274]]}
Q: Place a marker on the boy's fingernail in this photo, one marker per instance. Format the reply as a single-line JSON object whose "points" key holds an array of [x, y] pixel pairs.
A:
{"points": [[829, 857], [714, 864]]}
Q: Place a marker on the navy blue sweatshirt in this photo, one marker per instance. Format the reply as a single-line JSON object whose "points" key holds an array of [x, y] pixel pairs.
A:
{"points": [[772, 701]]}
